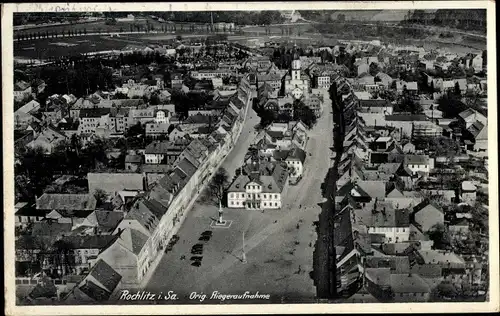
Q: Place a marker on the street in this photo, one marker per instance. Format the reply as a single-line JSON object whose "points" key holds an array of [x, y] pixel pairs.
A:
{"points": [[279, 244]]}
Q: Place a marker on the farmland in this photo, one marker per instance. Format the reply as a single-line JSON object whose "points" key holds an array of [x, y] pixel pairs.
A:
{"points": [[57, 47]]}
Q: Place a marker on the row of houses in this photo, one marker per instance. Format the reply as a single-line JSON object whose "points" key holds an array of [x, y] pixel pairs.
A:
{"points": [[124, 241], [384, 217]]}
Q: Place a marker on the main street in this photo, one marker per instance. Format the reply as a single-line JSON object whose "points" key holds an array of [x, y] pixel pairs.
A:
{"points": [[279, 243]]}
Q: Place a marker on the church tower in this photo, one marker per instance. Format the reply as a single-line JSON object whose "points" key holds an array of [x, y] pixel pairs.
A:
{"points": [[296, 69]]}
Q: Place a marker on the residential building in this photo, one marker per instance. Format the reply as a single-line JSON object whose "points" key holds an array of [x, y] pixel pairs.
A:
{"points": [[66, 208], [426, 215]]}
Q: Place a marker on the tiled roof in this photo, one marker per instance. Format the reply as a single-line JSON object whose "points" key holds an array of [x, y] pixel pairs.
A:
{"points": [[45, 289], [106, 220], [94, 291], [159, 147], [141, 213], [50, 228], [416, 160], [133, 239], [105, 275], [66, 202], [406, 117], [187, 167], [406, 283]]}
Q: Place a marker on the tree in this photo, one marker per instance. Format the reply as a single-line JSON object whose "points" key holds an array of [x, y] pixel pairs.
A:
{"points": [[440, 236], [374, 69], [100, 196], [457, 90], [63, 257], [218, 184]]}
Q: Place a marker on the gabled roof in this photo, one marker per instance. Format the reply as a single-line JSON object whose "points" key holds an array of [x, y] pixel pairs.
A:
{"points": [[425, 204], [133, 239], [141, 213], [105, 220], [105, 275]]}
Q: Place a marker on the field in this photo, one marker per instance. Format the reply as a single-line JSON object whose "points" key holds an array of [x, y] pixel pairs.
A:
{"points": [[57, 47], [92, 27]]}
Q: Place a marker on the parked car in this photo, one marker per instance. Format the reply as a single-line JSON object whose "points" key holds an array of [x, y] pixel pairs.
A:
{"points": [[196, 252], [207, 233], [196, 263], [204, 238], [196, 258]]}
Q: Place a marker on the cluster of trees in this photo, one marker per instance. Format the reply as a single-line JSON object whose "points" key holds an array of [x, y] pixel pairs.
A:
{"points": [[238, 17], [51, 34], [216, 189], [36, 169], [466, 19], [407, 103], [299, 109], [186, 101], [77, 75]]}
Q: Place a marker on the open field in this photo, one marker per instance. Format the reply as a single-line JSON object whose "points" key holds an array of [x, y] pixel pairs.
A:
{"points": [[57, 47]]}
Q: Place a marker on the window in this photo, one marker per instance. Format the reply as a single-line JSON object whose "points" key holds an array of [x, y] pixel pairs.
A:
{"points": [[265, 196], [276, 196], [265, 204], [232, 203], [275, 204], [231, 195]]}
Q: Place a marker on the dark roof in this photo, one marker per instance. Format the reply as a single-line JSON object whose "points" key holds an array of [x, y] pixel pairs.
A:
{"points": [[106, 275], [342, 233], [374, 103], [50, 228], [379, 157], [155, 207], [94, 112], [156, 168], [187, 167], [161, 147], [406, 117], [280, 154], [66, 202], [30, 210], [108, 219], [297, 153], [402, 218], [94, 291], [44, 289]]}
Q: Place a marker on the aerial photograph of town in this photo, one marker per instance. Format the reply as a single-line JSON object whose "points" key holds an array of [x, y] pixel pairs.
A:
{"points": [[250, 157]]}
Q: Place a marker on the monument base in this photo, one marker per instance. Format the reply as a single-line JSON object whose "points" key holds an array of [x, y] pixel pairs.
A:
{"points": [[221, 224]]}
